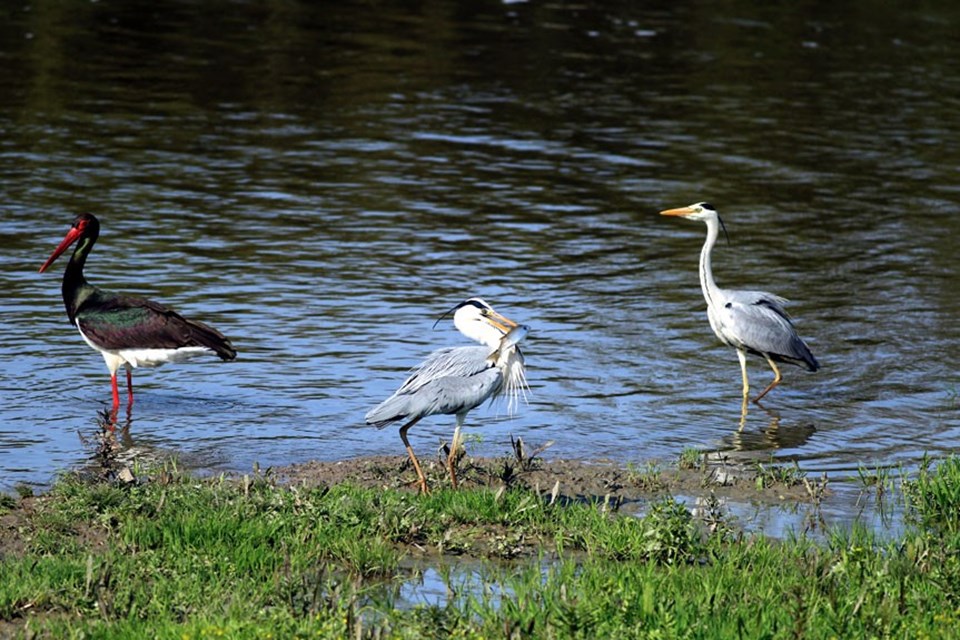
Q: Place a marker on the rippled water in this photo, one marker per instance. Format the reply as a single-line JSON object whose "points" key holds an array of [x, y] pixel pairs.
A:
{"points": [[322, 182]]}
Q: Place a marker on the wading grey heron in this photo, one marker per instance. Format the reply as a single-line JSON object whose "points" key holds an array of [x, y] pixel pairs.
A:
{"points": [[455, 380], [749, 321]]}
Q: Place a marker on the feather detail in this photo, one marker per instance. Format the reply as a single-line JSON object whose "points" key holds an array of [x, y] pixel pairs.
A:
{"points": [[116, 323]]}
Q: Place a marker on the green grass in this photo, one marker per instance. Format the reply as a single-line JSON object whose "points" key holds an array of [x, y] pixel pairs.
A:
{"points": [[771, 475], [933, 497], [690, 458], [179, 557], [650, 477]]}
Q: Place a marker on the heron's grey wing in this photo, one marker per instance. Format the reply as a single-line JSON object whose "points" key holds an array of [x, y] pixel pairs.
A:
{"points": [[756, 321], [454, 394], [443, 363], [447, 379], [771, 300]]}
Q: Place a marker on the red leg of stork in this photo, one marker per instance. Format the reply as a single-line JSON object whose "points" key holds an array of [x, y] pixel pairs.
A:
{"points": [[116, 391], [129, 387]]}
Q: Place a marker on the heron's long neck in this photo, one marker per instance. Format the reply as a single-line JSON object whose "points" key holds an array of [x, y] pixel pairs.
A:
{"points": [[707, 283], [479, 332], [489, 336]]}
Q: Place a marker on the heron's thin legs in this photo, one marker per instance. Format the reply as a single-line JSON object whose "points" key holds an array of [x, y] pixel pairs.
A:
{"points": [[454, 448], [743, 417], [743, 370], [742, 355], [776, 379], [421, 479]]}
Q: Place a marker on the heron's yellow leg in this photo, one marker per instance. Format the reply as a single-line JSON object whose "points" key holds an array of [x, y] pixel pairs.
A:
{"points": [[421, 479], [776, 379], [742, 356], [743, 370], [454, 448]]}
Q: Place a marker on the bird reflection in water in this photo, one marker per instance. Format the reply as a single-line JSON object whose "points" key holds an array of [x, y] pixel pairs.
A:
{"points": [[738, 453], [770, 438], [109, 445]]}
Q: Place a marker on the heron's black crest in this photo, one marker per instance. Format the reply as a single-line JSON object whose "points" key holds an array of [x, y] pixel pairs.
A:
{"points": [[476, 302], [707, 205], [722, 226]]}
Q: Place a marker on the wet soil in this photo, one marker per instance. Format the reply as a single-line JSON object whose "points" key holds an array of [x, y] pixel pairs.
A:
{"points": [[589, 480], [619, 486]]}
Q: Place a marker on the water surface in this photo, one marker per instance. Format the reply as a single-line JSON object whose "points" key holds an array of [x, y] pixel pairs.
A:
{"points": [[321, 182]]}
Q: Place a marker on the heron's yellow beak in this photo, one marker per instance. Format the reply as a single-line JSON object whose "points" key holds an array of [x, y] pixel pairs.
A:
{"points": [[682, 211], [500, 322]]}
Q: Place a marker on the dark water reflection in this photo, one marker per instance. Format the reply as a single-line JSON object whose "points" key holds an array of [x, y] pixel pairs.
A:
{"points": [[321, 181]]}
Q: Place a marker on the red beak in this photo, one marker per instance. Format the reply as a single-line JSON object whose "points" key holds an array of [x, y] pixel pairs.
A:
{"points": [[71, 237]]}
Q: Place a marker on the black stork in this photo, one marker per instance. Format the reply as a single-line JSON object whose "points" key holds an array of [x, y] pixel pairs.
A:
{"points": [[128, 331]]}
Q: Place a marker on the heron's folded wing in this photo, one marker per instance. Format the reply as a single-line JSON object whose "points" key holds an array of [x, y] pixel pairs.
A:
{"points": [[448, 381], [451, 395], [455, 362], [760, 324]]}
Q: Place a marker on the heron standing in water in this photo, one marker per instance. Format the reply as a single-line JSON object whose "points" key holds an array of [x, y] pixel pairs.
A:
{"points": [[749, 321], [455, 380]]}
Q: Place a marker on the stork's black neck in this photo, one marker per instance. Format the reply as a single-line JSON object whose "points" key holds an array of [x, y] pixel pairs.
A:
{"points": [[75, 287]]}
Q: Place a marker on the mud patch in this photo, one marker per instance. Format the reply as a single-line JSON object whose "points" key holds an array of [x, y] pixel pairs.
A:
{"points": [[581, 480], [707, 487], [12, 524]]}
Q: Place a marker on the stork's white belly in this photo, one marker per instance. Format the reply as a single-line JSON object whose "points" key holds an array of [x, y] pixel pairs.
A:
{"points": [[143, 357], [156, 357]]}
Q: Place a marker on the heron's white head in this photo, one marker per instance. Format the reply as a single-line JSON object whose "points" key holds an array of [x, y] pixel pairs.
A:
{"points": [[703, 211], [478, 321], [699, 211]]}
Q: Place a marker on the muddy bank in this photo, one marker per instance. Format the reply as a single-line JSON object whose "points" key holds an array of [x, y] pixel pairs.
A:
{"points": [[592, 480], [708, 485]]}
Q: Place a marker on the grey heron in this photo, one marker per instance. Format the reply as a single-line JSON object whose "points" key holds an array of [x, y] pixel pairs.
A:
{"points": [[750, 321], [455, 380]]}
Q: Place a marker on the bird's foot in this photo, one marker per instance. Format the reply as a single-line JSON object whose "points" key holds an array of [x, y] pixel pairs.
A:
{"points": [[420, 484], [453, 458]]}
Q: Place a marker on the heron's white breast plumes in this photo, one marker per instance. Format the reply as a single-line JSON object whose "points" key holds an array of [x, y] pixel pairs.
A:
{"points": [[514, 386]]}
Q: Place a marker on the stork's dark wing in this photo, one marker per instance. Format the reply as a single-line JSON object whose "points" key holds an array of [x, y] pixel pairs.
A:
{"points": [[117, 322]]}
